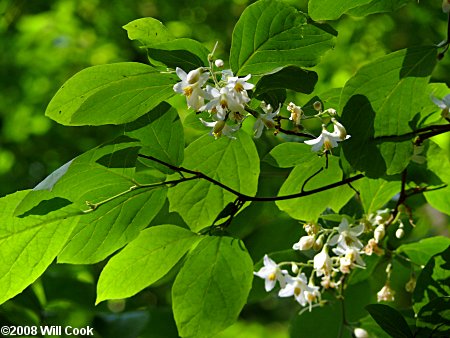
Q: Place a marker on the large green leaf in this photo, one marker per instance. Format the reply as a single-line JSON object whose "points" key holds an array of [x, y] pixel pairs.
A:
{"points": [[163, 47], [331, 9], [212, 287], [161, 135], [110, 94], [29, 245], [111, 226], [232, 162], [310, 207], [420, 252], [104, 178], [376, 193], [143, 261], [377, 105], [270, 35]]}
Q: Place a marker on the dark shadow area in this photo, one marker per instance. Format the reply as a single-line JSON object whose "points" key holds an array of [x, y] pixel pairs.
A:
{"points": [[360, 150], [419, 62], [46, 206]]}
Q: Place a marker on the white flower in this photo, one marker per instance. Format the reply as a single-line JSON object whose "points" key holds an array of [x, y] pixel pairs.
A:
{"points": [[348, 257], [325, 140], [348, 236], [386, 294], [239, 87], [305, 243], [322, 262], [265, 120], [312, 294], [329, 140], [296, 286], [444, 104], [220, 128], [222, 101], [339, 129], [271, 272], [191, 86]]}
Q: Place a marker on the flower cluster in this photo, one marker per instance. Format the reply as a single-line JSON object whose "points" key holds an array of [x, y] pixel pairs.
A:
{"points": [[338, 251], [226, 100]]}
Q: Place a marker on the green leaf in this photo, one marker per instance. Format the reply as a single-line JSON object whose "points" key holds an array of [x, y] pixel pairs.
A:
{"points": [[433, 281], [310, 207], [290, 154], [420, 252], [212, 287], [110, 94], [376, 193], [163, 47], [378, 103], [29, 245], [291, 77], [144, 261], [331, 10], [271, 35], [372, 328], [390, 320], [378, 6], [112, 225], [104, 178], [148, 31], [161, 135], [232, 162]]}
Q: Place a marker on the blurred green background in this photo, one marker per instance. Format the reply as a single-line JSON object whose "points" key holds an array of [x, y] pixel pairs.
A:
{"points": [[44, 42]]}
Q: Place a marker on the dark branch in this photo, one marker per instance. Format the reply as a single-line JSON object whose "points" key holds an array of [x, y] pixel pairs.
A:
{"points": [[247, 198]]}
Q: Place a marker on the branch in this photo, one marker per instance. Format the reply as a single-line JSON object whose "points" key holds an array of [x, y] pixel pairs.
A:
{"points": [[247, 198]]}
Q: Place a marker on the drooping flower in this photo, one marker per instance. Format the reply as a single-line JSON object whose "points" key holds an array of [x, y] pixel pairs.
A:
{"points": [[271, 273], [322, 262], [191, 86], [219, 128], [325, 140], [339, 129], [312, 294], [347, 236], [386, 294], [265, 120], [296, 113], [379, 232]]}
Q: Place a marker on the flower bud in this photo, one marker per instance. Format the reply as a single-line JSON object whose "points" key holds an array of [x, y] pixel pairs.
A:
{"points": [[379, 233], [305, 243], [294, 268], [360, 333], [311, 228], [400, 233], [318, 244], [219, 63], [317, 105]]}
